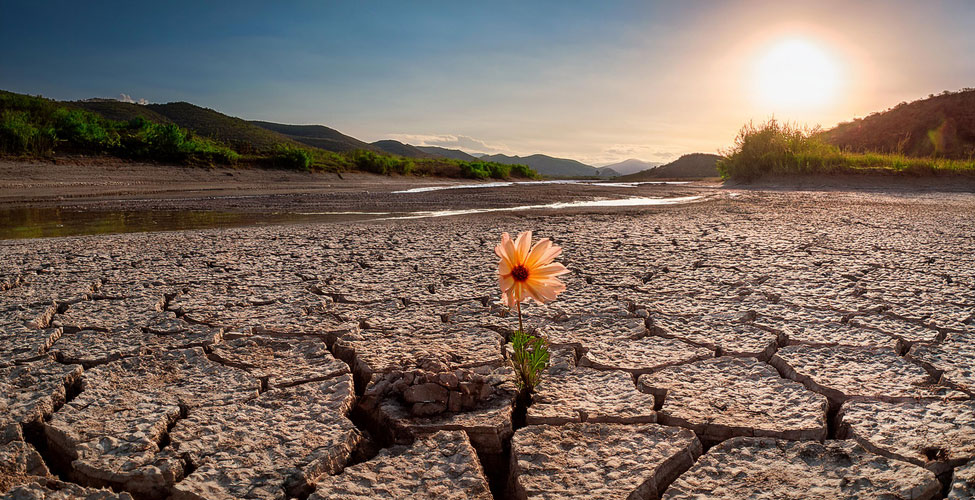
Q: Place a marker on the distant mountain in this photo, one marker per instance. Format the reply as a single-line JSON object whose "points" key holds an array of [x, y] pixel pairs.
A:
{"points": [[607, 172], [547, 165], [942, 125], [694, 165], [398, 148], [632, 166], [317, 136], [447, 153]]}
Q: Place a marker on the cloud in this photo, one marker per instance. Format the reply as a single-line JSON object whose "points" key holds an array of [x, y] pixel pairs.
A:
{"points": [[127, 98], [640, 151], [462, 142]]}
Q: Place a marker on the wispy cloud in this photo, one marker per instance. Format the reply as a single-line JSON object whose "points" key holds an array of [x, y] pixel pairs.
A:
{"points": [[127, 98], [463, 142]]}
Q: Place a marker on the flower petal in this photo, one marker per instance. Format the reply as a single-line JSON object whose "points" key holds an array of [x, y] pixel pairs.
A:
{"points": [[522, 246], [537, 251], [549, 271], [506, 282]]}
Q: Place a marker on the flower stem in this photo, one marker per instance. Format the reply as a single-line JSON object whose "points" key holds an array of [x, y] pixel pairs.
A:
{"points": [[520, 327]]}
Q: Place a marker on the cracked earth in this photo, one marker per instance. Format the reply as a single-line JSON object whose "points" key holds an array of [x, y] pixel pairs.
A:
{"points": [[767, 345]]}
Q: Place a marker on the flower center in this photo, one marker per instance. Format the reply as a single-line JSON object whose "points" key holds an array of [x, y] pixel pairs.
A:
{"points": [[519, 273]]}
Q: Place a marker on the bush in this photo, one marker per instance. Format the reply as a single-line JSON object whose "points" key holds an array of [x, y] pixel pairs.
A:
{"points": [[18, 135], [382, 164], [784, 149], [293, 158], [523, 171]]}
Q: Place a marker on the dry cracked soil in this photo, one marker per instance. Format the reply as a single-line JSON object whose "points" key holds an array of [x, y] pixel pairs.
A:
{"points": [[765, 344]]}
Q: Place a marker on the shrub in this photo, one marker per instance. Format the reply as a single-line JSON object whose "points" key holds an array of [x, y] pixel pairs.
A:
{"points": [[382, 164], [292, 158], [523, 171], [18, 135]]}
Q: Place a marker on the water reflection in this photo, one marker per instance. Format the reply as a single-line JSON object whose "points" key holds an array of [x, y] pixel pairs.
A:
{"points": [[50, 222]]}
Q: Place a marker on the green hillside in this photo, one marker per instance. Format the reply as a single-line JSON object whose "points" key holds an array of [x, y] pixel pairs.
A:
{"points": [[941, 125], [182, 133], [241, 135], [120, 111]]}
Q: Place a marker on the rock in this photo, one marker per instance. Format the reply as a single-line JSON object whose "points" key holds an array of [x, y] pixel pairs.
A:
{"points": [[953, 361], [426, 393], [283, 362], [595, 460], [963, 483], [115, 432], [645, 355], [766, 468], [442, 466], [488, 424], [270, 446], [588, 395], [935, 434], [53, 489], [842, 373], [30, 392], [725, 397], [20, 464]]}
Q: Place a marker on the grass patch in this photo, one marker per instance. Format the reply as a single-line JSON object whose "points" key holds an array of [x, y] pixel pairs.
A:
{"points": [[785, 149]]}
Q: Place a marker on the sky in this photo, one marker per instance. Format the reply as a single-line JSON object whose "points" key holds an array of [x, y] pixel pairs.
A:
{"points": [[596, 81]]}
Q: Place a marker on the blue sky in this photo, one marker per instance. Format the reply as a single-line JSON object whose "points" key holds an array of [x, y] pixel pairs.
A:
{"points": [[597, 81]]}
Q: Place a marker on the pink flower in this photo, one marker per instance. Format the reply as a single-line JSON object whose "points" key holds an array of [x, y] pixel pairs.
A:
{"points": [[528, 272]]}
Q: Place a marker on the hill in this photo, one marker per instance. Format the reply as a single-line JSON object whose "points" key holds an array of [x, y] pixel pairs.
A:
{"points": [[240, 134], [447, 153], [317, 136], [694, 165], [632, 166], [398, 148], [607, 172], [941, 125], [120, 111], [547, 165]]}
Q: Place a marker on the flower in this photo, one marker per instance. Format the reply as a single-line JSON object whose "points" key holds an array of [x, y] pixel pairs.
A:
{"points": [[524, 273]]}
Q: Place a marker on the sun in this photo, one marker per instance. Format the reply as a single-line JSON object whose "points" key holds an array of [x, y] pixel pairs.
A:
{"points": [[796, 73]]}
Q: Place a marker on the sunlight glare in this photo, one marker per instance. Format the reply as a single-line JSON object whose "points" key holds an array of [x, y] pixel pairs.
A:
{"points": [[794, 74]]}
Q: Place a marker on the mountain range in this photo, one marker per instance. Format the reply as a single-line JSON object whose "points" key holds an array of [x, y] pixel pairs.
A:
{"points": [[631, 166], [256, 135]]}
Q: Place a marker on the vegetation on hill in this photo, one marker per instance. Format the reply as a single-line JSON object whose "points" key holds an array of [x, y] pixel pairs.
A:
{"points": [[941, 126], [37, 126], [781, 148], [689, 166], [184, 133], [317, 136]]}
